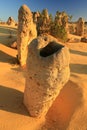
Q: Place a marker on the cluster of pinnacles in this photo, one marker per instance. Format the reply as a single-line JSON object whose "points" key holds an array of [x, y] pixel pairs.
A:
{"points": [[46, 61]]}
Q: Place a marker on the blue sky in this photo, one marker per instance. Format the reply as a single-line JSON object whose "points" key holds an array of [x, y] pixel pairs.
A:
{"points": [[76, 8]]}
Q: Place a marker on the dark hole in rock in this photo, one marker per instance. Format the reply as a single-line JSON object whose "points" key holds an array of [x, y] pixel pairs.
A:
{"points": [[50, 49], [45, 39]]}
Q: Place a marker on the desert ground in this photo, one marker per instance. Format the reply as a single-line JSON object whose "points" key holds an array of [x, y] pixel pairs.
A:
{"points": [[69, 110]]}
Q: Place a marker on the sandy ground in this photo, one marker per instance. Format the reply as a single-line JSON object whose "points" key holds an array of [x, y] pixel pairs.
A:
{"points": [[68, 112]]}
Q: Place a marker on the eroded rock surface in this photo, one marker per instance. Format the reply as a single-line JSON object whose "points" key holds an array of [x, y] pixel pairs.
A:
{"points": [[26, 32], [47, 72]]}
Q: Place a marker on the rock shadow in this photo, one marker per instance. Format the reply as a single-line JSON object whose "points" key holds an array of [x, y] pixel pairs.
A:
{"points": [[7, 58], [11, 100], [6, 30], [7, 40], [78, 68], [78, 52], [7, 35]]}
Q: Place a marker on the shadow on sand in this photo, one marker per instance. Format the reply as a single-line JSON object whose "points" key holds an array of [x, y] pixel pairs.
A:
{"points": [[7, 35], [7, 58], [6, 30], [78, 68], [6, 40], [11, 100], [78, 52]]}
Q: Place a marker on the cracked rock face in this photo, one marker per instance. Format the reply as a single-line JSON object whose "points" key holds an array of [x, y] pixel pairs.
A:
{"points": [[26, 32], [47, 72]]}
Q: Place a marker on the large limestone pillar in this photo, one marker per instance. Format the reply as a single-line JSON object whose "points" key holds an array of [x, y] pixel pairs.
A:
{"points": [[26, 32], [47, 72]]}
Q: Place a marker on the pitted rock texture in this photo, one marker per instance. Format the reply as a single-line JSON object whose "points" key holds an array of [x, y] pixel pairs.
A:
{"points": [[26, 32], [80, 27], [47, 72]]}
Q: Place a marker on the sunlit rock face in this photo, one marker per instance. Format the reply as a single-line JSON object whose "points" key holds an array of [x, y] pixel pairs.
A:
{"points": [[47, 72], [26, 32], [61, 19], [80, 27], [43, 22]]}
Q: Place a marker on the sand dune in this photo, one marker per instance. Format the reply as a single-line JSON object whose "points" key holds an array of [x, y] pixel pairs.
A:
{"points": [[69, 111]]}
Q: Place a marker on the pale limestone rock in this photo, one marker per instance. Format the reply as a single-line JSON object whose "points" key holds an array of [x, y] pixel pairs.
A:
{"points": [[43, 22], [11, 21], [14, 45], [80, 27], [26, 32], [47, 72], [61, 19], [36, 15]]}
